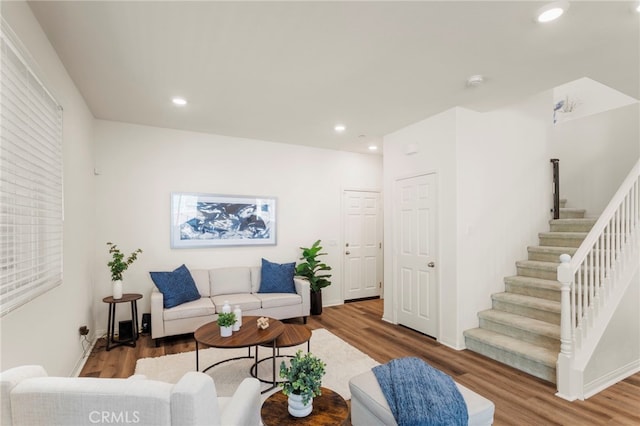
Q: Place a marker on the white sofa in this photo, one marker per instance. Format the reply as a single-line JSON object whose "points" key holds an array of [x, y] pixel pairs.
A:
{"points": [[369, 406], [238, 285], [31, 398]]}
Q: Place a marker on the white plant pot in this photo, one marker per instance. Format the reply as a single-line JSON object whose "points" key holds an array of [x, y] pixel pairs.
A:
{"points": [[117, 289], [297, 408], [226, 331]]}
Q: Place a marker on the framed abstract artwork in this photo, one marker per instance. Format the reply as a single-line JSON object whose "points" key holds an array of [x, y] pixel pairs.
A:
{"points": [[209, 220]]}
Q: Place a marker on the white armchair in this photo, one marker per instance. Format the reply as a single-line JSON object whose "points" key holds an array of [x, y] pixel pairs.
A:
{"points": [[30, 397]]}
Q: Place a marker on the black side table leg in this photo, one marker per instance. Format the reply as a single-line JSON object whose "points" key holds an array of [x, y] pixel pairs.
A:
{"points": [[275, 382], [109, 327], [134, 324], [255, 361], [136, 330]]}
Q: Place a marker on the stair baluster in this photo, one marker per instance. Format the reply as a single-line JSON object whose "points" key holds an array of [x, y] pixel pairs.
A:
{"points": [[597, 277]]}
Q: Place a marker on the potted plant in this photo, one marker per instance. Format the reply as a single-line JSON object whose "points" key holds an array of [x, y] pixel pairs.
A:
{"points": [[118, 265], [313, 270], [226, 321], [303, 382]]}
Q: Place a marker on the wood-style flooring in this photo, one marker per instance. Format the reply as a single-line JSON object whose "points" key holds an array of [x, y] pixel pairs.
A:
{"points": [[520, 399]]}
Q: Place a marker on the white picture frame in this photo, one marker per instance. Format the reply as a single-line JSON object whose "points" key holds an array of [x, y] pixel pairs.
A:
{"points": [[212, 220]]}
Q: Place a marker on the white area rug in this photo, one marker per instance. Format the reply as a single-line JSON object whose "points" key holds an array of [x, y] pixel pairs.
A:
{"points": [[343, 362]]}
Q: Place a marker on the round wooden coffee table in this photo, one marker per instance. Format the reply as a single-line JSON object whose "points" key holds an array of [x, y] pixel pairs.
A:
{"points": [[293, 335], [328, 409], [249, 335]]}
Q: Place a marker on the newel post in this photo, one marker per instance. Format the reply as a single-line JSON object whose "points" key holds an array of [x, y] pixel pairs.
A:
{"points": [[563, 366]]}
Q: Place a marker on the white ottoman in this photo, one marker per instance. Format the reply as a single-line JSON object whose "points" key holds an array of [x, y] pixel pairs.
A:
{"points": [[369, 406]]}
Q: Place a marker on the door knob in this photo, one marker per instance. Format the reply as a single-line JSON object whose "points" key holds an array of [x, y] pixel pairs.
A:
{"points": [[347, 252], [431, 265]]}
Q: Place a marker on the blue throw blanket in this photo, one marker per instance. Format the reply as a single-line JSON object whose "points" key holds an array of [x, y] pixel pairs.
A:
{"points": [[420, 395]]}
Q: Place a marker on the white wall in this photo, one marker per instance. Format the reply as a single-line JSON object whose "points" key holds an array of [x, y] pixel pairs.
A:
{"points": [[619, 349], [504, 198], [45, 330], [435, 140], [493, 198], [141, 166], [596, 153]]}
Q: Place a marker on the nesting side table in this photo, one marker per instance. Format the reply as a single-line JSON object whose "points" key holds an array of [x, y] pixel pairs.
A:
{"points": [[111, 323], [328, 409]]}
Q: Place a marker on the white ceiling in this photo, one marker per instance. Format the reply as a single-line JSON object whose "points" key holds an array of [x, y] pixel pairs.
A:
{"points": [[288, 71]]}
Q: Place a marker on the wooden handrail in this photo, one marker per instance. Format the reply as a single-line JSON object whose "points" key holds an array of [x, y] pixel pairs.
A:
{"points": [[556, 188]]}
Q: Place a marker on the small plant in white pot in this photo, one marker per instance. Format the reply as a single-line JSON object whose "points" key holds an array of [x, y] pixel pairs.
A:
{"points": [[118, 265], [226, 320], [304, 381]]}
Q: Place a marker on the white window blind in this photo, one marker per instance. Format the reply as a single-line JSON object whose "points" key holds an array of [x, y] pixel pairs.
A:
{"points": [[31, 203]]}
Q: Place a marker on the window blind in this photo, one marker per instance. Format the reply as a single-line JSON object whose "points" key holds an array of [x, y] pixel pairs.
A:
{"points": [[31, 202]]}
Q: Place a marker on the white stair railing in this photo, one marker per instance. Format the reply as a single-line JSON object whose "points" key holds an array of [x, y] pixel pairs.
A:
{"points": [[594, 281]]}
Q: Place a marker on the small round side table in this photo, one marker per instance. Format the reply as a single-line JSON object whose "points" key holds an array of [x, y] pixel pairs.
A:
{"points": [[329, 409], [111, 322]]}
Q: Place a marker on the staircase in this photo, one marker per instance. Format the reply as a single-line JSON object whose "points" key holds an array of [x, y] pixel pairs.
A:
{"points": [[523, 327]]}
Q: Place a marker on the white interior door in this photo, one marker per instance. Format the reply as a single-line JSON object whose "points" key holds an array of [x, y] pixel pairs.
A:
{"points": [[362, 244], [415, 238]]}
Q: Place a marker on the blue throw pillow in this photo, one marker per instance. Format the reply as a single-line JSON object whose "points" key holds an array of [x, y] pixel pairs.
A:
{"points": [[177, 287], [277, 278]]}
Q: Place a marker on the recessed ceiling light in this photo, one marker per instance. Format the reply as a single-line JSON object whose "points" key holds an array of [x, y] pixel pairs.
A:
{"points": [[179, 101], [638, 8], [373, 148], [340, 128], [552, 11]]}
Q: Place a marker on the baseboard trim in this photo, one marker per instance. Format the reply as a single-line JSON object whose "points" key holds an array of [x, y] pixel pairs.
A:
{"points": [[611, 378], [83, 360]]}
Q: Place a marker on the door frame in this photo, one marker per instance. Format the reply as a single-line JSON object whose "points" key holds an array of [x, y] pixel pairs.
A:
{"points": [[395, 243], [343, 237]]}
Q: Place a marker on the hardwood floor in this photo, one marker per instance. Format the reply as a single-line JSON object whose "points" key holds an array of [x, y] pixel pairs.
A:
{"points": [[520, 399]]}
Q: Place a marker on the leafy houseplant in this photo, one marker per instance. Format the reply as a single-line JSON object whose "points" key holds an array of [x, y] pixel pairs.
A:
{"points": [[117, 266], [304, 376], [118, 263], [226, 319], [314, 271]]}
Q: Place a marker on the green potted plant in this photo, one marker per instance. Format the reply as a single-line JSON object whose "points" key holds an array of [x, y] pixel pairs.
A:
{"points": [[226, 321], [314, 270], [303, 382], [118, 265]]}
